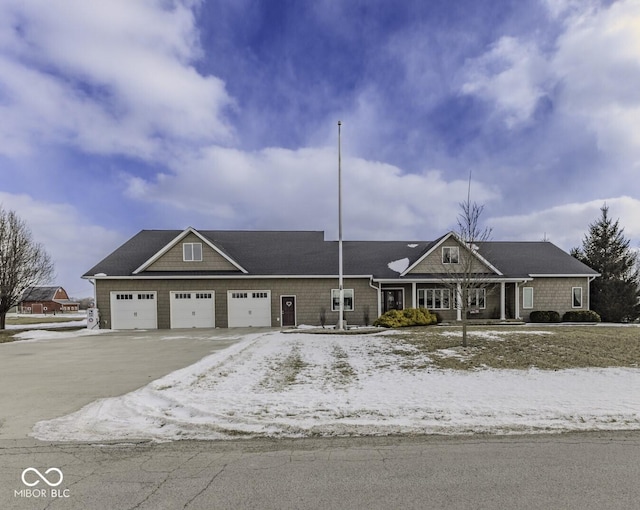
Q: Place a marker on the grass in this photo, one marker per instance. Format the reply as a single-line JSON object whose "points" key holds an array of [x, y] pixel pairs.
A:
{"points": [[25, 321], [284, 372], [341, 366], [545, 348], [6, 335]]}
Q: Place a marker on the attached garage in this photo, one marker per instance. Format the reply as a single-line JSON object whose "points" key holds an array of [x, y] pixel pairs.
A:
{"points": [[195, 309], [249, 308], [134, 310]]}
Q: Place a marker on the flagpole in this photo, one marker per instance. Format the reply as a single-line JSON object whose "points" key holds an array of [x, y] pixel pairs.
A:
{"points": [[340, 272]]}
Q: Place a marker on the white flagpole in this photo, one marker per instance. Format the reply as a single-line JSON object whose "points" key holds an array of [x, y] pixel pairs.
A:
{"points": [[340, 274]]}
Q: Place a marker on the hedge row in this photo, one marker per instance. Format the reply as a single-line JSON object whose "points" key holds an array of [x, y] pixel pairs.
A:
{"points": [[571, 316], [406, 317]]}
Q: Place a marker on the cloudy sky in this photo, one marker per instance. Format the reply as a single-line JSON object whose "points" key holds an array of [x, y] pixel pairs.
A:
{"points": [[120, 116]]}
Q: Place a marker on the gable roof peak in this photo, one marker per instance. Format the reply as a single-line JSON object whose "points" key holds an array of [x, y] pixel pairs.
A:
{"points": [[187, 231]]}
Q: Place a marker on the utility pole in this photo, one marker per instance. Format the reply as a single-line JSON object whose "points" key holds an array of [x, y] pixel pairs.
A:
{"points": [[340, 273]]}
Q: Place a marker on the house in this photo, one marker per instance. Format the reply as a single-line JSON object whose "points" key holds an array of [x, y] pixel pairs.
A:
{"points": [[47, 300], [215, 278]]}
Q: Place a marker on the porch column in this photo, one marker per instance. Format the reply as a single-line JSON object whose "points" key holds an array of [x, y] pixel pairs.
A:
{"points": [[414, 295], [517, 301], [502, 304], [458, 302]]}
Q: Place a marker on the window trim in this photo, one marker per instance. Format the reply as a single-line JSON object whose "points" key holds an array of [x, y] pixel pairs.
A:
{"points": [[573, 297], [451, 250], [441, 291], [483, 291], [524, 303], [192, 254], [335, 300]]}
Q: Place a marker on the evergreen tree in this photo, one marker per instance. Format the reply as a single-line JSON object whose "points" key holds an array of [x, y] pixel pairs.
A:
{"points": [[615, 295]]}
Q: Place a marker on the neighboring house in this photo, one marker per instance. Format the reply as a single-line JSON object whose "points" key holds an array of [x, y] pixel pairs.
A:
{"points": [[47, 300], [183, 279]]}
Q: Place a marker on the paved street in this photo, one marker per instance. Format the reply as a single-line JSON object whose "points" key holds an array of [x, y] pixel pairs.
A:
{"points": [[577, 471]]}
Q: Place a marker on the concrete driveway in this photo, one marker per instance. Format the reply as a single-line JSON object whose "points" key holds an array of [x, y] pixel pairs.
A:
{"points": [[44, 379]]}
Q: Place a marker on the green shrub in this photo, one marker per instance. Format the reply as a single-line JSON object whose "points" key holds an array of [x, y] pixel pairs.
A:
{"points": [[544, 316], [404, 318], [581, 316]]}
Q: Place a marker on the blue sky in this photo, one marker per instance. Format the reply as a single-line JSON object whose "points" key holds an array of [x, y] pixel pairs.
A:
{"points": [[120, 116]]}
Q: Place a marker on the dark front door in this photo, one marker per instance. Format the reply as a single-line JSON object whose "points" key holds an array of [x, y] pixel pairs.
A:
{"points": [[392, 300], [288, 306]]}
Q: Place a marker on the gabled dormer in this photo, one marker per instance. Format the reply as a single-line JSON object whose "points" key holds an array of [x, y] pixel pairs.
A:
{"points": [[191, 251], [449, 255]]}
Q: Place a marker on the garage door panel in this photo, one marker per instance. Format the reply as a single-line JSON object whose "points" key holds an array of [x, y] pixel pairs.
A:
{"points": [[249, 308], [134, 310], [194, 309]]}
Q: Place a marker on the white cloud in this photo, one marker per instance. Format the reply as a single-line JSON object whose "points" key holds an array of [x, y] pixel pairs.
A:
{"points": [[111, 77], [598, 63], [566, 225], [513, 75], [297, 189], [74, 244], [594, 70]]}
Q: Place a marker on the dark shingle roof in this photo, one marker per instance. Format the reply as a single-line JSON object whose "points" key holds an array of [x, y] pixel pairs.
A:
{"points": [[307, 253], [39, 293]]}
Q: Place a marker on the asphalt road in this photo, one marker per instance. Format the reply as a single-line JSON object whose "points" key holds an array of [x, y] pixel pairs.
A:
{"points": [[577, 471]]}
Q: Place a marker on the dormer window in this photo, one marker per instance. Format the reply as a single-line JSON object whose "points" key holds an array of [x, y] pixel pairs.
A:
{"points": [[192, 252], [450, 255]]}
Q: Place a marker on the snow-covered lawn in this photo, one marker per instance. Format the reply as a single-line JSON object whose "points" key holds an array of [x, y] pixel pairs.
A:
{"points": [[300, 384], [78, 319]]}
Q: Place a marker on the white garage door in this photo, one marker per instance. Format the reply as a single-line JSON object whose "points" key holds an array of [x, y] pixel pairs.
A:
{"points": [[134, 310], [249, 308], [195, 309]]}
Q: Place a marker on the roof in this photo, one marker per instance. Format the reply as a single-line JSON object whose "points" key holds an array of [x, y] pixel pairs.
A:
{"points": [[40, 293], [306, 253]]}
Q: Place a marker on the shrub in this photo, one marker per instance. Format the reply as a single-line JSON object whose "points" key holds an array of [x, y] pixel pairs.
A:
{"points": [[544, 316], [404, 318], [581, 316]]}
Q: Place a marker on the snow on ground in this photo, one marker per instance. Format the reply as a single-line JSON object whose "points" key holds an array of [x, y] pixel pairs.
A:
{"points": [[298, 384], [37, 335], [75, 320]]}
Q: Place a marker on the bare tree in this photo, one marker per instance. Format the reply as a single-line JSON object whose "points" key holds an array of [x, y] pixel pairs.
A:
{"points": [[466, 274], [23, 262]]}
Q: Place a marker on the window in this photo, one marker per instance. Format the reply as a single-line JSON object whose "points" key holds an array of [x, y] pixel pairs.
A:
{"points": [[192, 252], [348, 300], [124, 296], [239, 295], [527, 297], [477, 298], [183, 295], [576, 293], [434, 299], [450, 255], [203, 295], [146, 296], [260, 295]]}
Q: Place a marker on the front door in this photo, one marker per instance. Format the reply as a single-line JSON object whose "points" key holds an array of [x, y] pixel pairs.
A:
{"points": [[288, 307], [392, 300]]}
